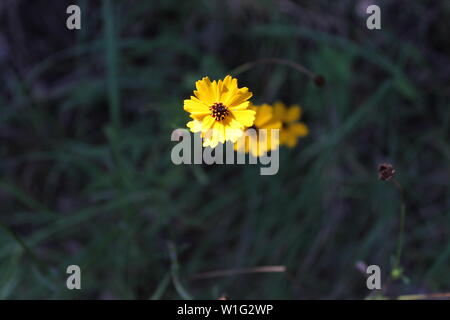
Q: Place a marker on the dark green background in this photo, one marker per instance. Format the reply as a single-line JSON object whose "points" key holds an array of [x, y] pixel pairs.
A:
{"points": [[86, 175]]}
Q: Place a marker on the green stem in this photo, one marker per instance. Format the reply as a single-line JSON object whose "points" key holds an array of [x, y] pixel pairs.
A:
{"points": [[161, 288], [400, 236], [247, 66], [402, 224], [24, 246], [174, 268], [111, 60]]}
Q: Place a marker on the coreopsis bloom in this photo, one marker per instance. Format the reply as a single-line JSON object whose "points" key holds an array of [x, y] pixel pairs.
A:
{"points": [[260, 138], [219, 110], [292, 128]]}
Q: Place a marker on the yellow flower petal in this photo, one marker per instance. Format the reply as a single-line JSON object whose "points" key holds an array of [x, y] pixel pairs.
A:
{"points": [[219, 130], [264, 114], [239, 97], [207, 123], [230, 82], [196, 107], [242, 106], [299, 129], [245, 117], [291, 141], [272, 125], [194, 125], [284, 136], [233, 134], [205, 91], [293, 114], [279, 111], [254, 147]]}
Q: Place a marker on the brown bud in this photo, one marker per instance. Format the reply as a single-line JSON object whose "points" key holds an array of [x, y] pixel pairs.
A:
{"points": [[385, 171], [319, 81]]}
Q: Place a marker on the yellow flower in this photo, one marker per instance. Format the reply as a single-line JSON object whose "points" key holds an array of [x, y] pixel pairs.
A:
{"points": [[292, 128], [262, 139], [219, 110]]}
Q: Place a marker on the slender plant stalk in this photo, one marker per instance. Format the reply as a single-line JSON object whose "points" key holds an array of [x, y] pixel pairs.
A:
{"points": [[249, 65], [111, 40], [233, 272], [175, 273], [111, 61], [161, 287], [402, 224], [24, 246]]}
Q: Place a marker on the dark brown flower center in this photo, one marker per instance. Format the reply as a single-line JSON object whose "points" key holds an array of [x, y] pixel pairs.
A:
{"points": [[219, 111]]}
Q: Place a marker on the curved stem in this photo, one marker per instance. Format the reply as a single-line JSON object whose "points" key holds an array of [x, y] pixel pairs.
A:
{"points": [[174, 268], [247, 66]]}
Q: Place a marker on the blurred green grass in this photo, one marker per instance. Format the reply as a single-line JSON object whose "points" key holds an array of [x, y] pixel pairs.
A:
{"points": [[87, 177]]}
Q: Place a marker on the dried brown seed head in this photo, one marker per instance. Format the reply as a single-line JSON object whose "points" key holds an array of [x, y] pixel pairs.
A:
{"points": [[386, 171]]}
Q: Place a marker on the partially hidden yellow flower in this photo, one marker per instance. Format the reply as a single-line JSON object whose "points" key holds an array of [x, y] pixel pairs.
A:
{"points": [[219, 110], [292, 128], [261, 137]]}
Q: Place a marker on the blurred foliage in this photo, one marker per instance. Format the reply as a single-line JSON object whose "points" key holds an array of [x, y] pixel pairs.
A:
{"points": [[86, 175]]}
